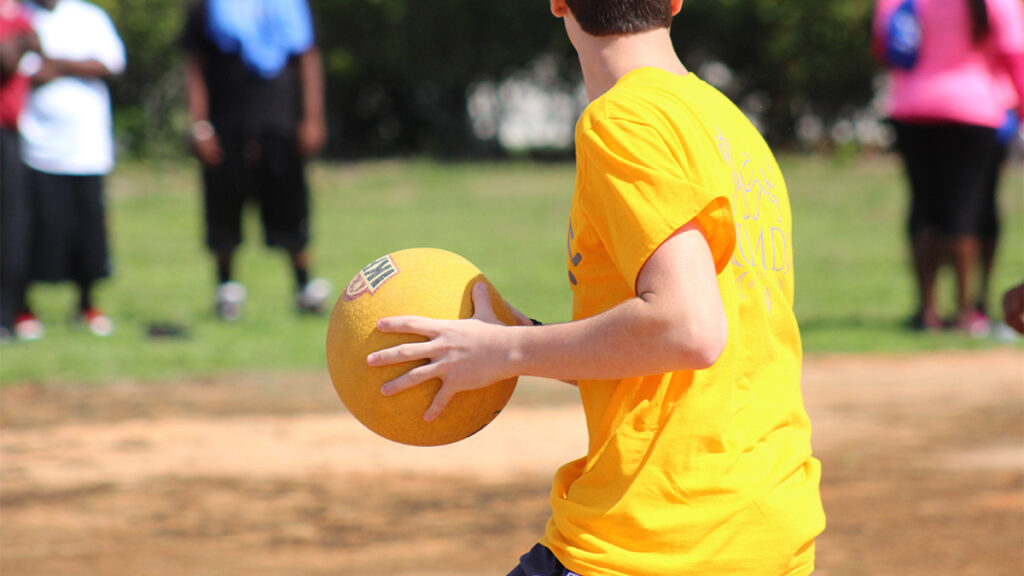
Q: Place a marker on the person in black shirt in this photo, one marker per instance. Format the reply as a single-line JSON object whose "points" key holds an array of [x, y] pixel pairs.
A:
{"points": [[254, 82]]}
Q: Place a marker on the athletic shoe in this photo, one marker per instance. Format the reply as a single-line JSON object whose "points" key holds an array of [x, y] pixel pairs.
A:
{"points": [[921, 323], [1003, 333], [976, 324], [230, 299], [27, 327], [97, 322], [313, 296]]}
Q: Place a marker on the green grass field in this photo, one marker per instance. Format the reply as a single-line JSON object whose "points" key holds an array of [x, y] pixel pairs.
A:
{"points": [[854, 290]]}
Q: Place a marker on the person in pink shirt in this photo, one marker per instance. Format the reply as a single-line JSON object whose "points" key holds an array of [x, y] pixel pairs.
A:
{"points": [[945, 110]]}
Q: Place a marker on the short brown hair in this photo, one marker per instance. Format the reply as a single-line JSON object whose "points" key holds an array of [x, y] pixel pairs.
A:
{"points": [[608, 17]]}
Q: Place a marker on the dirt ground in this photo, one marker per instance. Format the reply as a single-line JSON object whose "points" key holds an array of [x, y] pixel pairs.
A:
{"points": [[923, 460]]}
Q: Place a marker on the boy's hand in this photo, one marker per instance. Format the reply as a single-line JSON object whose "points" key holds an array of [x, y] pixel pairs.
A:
{"points": [[465, 354]]}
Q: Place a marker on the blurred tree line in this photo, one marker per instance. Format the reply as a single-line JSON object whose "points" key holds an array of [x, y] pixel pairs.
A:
{"points": [[399, 71]]}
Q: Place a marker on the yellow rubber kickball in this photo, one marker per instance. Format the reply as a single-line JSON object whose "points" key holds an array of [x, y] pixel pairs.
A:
{"points": [[421, 282]]}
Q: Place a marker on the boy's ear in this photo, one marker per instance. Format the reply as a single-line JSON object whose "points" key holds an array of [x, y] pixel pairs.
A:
{"points": [[677, 5], [559, 8]]}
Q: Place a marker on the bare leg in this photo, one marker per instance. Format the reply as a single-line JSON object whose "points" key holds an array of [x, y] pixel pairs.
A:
{"points": [[965, 251], [987, 257], [926, 251]]}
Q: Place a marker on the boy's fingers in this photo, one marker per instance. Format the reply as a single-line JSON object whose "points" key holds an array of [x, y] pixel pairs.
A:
{"points": [[412, 378], [441, 400], [482, 308], [408, 325], [399, 354]]}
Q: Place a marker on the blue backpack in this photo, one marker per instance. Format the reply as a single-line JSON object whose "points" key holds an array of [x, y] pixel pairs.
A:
{"points": [[903, 36], [1009, 127]]}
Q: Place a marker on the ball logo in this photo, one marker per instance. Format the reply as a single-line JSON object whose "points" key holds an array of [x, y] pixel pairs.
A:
{"points": [[371, 277]]}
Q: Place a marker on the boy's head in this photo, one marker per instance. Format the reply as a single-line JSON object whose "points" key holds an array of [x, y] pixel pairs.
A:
{"points": [[614, 17]]}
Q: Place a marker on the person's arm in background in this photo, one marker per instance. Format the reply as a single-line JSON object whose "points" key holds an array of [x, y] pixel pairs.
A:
{"points": [[1014, 64], [205, 143], [51, 69], [312, 128], [877, 41], [13, 48], [1007, 21], [106, 56], [879, 24]]}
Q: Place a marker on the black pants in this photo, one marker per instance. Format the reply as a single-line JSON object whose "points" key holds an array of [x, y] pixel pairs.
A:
{"points": [[15, 228]]}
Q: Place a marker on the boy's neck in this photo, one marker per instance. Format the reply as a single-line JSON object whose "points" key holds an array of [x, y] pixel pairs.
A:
{"points": [[606, 59]]}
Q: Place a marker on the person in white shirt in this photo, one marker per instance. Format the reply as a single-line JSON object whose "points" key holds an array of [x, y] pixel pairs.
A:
{"points": [[68, 146]]}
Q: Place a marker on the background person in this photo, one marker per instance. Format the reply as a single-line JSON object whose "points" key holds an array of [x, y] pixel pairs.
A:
{"points": [[255, 93], [1006, 135], [683, 340], [68, 145], [16, 38], [945, 111]]}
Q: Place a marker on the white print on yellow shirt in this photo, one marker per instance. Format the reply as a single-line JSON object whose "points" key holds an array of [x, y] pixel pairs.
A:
{"points": [[761, 242]]}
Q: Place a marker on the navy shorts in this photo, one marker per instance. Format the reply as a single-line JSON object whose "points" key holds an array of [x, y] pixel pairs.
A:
{"points": [[540, 562], [266, 169]]}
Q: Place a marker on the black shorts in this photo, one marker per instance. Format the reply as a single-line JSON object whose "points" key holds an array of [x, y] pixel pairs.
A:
{"points": [[266, 169], [989, 222], [948, 166], [69, 230], [540, 561]]}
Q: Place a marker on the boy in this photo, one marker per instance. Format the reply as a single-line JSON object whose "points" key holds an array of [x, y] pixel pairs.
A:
{"points": [[683, 341]]}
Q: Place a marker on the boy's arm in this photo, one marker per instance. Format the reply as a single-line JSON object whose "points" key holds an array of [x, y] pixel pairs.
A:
{"points": [[676, 321]]}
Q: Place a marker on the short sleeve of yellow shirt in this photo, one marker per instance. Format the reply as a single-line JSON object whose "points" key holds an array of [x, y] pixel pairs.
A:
{"points": [[691, 472], [638, 194]]}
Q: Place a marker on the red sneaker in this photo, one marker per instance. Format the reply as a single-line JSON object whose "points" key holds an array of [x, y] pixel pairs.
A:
{"points": [[975, 324], [28, 327], [97, 322]]}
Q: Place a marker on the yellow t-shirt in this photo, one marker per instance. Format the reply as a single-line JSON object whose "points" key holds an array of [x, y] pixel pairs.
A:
{"points": [[692, 472]]}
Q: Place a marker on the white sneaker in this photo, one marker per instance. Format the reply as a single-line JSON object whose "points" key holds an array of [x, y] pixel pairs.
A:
{"points": [[231, 297], [1003, 333], [313, 296]]}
